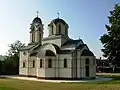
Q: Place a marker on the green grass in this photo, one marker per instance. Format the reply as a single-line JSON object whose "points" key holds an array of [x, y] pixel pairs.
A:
{"points": [[14, 84]]}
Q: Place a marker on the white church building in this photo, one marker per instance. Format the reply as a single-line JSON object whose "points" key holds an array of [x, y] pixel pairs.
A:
{"points": [[57, 56]]}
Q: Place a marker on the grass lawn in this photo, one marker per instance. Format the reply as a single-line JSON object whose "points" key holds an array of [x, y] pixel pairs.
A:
{"points": [[14, 84]]}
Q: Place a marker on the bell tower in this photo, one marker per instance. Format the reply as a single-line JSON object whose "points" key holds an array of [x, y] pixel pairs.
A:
{"points": [[36, 31]]}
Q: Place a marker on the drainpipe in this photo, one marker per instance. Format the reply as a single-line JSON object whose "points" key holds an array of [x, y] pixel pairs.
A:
{"points": [[80, 66], [72, 69], [58, 66], [28, 62], [55, 67], [76, 62]]}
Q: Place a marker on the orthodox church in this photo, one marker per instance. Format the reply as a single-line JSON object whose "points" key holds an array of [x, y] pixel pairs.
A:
{"points": [[57, 56]]}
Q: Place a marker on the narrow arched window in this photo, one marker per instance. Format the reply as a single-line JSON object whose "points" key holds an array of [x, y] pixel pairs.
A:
{"points": [[59, 29], [66, 30], [24, 64], [40, 37], [39, 28], [33, 37], [33, 63], [49, 63], [40, 63], [52, 30], [65, 63]]}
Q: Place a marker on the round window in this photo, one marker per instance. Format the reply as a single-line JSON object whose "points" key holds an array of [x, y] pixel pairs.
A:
{"points": [[24, 53]]}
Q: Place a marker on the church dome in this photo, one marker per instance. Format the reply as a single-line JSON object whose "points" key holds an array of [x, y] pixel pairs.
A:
{"points": [[37, 20], [58, 20]]}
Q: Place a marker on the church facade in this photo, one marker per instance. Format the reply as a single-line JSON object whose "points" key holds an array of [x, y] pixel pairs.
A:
{"points": [[57, 56]]}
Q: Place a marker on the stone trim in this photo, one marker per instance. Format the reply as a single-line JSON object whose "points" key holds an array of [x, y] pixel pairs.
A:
{"points": [[59, 78], [28, 76]]}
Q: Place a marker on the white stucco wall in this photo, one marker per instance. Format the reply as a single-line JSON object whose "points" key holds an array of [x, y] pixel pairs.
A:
{"points": [[65, 72], [23, 71], [92, 66], [32, 71], [41, 72], [50, 72], [57, 69], [45, 71], [79, 62]]}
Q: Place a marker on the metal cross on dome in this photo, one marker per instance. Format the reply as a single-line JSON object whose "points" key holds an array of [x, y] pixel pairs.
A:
{"points": [[37, 13], [58, 14]]}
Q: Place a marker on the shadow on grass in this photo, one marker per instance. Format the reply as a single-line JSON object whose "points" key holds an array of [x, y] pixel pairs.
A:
{"points": [[116, 80], [3, 78], [110, 76]]}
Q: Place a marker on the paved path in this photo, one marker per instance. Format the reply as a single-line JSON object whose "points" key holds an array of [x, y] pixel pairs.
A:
{"points": [[57, 81]]}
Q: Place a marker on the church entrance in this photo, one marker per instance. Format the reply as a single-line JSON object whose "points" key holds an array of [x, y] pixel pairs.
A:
{"points": [[87, 71]]}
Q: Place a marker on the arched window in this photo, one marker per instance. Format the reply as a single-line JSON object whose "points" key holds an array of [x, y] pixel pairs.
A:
{"points": [[40, 37], [66, 30], [24, 64], [65, 63], [39, 28], [40, 63], [33, 37], [52, 30], [33, 63], [49, 63], [59, 29], [87, 61]]}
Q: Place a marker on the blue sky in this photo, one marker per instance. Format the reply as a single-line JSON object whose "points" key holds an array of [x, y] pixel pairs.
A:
{"points": [[86, 19]]}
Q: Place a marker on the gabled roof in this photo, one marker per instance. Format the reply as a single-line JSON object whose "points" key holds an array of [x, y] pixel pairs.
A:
{"points": [[71, 44], [33, 54], [27, 47], [87, 53], [65, 51], [30, 46], [81, 46]]}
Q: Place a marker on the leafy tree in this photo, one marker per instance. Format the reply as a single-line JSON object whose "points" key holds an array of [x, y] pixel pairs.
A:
{"points": [[111, 40], [15, 48], [11, 62]]}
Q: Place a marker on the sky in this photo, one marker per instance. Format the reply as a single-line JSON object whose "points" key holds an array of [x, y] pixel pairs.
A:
{"points": [[86, 20]]}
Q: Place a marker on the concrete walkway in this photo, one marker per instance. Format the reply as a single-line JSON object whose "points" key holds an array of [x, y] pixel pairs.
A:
{"points": [[57, 81]]}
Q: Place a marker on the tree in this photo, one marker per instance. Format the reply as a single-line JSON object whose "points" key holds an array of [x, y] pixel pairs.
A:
{"points": [[15, 48], [111, 40], [11, 62]]}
